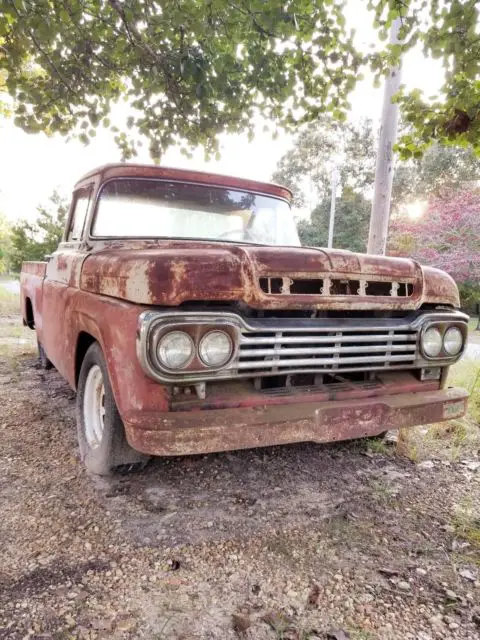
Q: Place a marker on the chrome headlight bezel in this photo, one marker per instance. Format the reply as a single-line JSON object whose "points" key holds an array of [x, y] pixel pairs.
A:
{"points": [[154, 326]]}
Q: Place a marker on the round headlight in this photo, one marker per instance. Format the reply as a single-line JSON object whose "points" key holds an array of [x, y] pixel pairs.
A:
{"points": [[215, 348], [432, 342], [175, 349], [453, 341]]}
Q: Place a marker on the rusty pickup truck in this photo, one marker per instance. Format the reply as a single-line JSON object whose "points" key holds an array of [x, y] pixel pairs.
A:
{"points": [[183, 310]]}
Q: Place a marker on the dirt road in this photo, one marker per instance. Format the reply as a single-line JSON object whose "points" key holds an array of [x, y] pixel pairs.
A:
{"points": [[354, 540]]}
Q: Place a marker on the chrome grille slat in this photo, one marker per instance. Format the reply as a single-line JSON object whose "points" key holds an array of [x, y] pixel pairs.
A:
{"points": [[326, 350], [320, 349], [311, 339], [316, 362]]}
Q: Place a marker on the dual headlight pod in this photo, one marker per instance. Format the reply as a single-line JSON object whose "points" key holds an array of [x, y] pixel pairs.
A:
{"points": [[437, 343], [177, 349]]}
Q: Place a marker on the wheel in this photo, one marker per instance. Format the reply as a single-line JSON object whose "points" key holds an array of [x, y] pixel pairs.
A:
{"points": [[101, 434], [379, 436], [42, 357]]}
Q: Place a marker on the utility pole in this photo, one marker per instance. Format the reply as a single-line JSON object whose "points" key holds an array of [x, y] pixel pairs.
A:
{"points": [[331, 224], [377, 237]]}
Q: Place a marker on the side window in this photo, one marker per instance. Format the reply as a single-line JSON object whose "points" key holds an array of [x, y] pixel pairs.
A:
{"points": [[79, 214]]}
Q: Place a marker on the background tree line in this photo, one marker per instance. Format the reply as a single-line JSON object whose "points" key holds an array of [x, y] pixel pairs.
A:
{"points": [[26, 240]]}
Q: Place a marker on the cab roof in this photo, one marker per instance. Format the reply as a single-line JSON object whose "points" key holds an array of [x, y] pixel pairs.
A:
{"points": [[130, 170]]}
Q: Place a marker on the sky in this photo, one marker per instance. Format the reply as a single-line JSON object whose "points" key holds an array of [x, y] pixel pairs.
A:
{"points": [[32, 166]]}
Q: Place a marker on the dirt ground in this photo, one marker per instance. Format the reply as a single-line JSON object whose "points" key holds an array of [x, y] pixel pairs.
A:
{"points": [[362, 540]]}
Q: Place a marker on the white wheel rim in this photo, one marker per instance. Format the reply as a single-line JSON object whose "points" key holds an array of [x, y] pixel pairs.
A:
{"points": [[94, 407]]}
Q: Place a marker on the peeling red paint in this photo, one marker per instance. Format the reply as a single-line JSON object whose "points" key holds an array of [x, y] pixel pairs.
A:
{"points": [[122, 170], [224, 429], [173, 272]]}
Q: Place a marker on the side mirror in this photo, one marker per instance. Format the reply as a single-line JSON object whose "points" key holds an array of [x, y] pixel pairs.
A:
{"points": [[48, 257]]}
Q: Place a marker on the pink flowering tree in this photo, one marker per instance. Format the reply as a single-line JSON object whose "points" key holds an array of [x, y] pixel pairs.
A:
{"points": [[446, 236]]}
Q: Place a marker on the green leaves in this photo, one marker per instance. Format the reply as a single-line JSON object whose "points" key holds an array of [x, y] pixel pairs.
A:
{"points": [[352, 217], [306, 168], [29, 241], [193, 70], [450, 35]]}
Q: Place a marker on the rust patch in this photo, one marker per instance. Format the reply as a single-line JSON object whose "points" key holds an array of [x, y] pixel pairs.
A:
{"points": [[239, 393], [34, 268], [62, 262], [440, 287], [168, 273], [129, 170], [224, 430]]}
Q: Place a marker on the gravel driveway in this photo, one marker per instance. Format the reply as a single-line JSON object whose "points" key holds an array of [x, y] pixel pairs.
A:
{"points": [[306, 541]]}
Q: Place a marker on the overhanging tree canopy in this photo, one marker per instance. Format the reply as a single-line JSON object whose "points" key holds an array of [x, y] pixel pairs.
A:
{"points": [[192, 69]]}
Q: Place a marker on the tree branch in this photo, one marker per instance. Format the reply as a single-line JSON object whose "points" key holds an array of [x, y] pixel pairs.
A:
{"points": [[46, 56]]}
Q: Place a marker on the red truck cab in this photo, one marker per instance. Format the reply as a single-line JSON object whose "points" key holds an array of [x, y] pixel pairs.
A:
{"points": [[182, 308]]}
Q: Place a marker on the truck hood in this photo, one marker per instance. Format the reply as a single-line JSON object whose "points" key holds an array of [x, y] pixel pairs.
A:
{"points": [[173, 272]]}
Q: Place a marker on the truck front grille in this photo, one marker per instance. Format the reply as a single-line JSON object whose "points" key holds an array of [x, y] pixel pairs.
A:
{"points": [[277, 347], [320, 350]]}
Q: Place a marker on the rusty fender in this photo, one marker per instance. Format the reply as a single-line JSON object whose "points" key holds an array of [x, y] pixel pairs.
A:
{"points": [[31, 284], [113, 324]]}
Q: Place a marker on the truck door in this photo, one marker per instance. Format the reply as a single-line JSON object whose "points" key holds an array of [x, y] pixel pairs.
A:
{"points": [[63, 274]]}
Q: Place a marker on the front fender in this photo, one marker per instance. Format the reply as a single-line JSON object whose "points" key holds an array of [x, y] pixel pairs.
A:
{"points": [[113, 324]]}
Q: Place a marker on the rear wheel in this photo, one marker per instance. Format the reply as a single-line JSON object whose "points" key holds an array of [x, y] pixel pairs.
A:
{"points": [[42, 357], [379, 436], [101, 434]]}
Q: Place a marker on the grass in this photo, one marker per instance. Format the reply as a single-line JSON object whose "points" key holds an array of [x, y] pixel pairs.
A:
{"points": [[4, 277], [9, 302], [466, 521], [466, 374], [472, 325], [449, 441], [378, 445], [14, 330], [454, 439], [383, 492], [15, 339]]}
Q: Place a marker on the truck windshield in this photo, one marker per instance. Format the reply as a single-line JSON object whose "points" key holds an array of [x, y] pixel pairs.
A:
{"points": [[142, 208]]}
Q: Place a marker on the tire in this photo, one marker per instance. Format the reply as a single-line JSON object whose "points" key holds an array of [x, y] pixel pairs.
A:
{"points": [[101, 434], [379, 436], [42, 357]]}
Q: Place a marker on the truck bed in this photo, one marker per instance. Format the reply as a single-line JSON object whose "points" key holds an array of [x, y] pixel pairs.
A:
{"points": [[36, 268]]}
